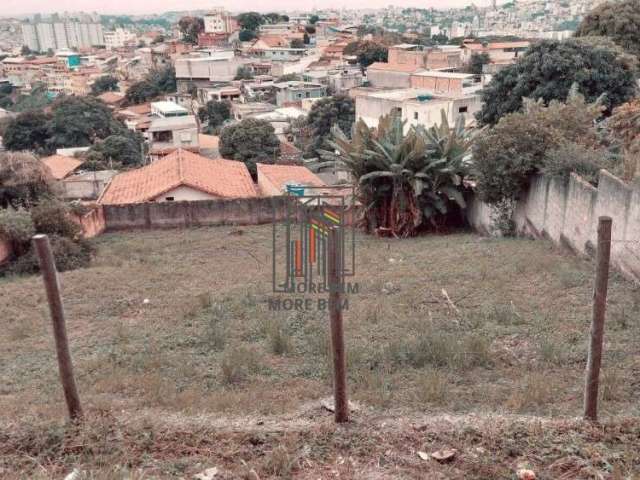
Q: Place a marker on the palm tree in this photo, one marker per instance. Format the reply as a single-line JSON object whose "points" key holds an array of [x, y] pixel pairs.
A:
{"points": [[405, 181]]}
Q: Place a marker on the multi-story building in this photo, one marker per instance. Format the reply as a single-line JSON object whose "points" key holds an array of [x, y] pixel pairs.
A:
{"points": [[119, 38], [219, 20], [42, 36]]}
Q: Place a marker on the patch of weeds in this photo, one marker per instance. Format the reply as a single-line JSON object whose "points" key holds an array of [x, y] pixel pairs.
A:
{"points": [[281, 463], [215, 334], [279, 337], [238, 363], [502, 314], [374, 387], [432, 387], [532, 391], [611, 384], [622, 317], [570, 277], [551, 352]]}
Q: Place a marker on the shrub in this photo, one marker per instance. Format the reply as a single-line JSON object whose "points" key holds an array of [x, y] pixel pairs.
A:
{"points": [[17, 227], [572, 157], [237, 364], [53, 217], [68, 254]]}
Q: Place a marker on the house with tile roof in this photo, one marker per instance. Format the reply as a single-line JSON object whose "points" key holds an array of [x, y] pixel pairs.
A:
{"points": [[61, 166], [181, 176], [273, 179]]}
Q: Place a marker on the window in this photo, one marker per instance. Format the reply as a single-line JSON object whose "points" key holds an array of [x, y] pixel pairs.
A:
{"points": [[463, 109], [415, 115], [169, 199]]}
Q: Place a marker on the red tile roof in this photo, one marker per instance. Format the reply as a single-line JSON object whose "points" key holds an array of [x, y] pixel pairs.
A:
{"points": [[61, 165], [219, 178], [111, 98], [281, 175]]}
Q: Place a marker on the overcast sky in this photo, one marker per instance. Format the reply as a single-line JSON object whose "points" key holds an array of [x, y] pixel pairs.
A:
{"points": [[19, 7]]}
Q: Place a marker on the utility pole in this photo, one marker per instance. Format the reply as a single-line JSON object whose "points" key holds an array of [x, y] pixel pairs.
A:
{"points": [[52, 287], [341, 406], [592, 379]]}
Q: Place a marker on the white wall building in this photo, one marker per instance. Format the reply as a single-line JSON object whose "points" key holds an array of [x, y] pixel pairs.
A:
{"points": [[217, 21], [42, 36], [118, 38]]}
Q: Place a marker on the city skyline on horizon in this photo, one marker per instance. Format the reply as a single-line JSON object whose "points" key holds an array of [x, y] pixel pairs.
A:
{"points": [[142, 7]]}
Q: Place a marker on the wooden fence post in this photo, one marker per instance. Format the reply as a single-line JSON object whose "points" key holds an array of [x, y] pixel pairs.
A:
{"points": [[52, 287], [341, 406], [603, 255]]}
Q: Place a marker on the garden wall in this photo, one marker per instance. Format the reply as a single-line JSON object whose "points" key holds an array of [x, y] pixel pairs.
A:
{"points": [[567, 213], [5, 250], [247, 211], [92, 223]]}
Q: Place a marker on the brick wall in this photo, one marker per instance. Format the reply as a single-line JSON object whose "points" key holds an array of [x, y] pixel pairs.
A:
{"points": [[567, 214], [5, 250]]}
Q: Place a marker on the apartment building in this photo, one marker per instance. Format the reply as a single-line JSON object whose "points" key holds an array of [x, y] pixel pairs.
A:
{"points": [[218, 20], [118, 38], [42, 36]]}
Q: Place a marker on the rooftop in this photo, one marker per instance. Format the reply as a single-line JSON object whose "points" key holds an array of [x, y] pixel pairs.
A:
{"points": [[160, 124], [282, 175], [61, 165], [219, 177]]}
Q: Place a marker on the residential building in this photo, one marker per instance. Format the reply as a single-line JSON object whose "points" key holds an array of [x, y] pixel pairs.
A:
{"points": [[438, 82], [415, 106], [219, 21], [181, 176], [499, 52], [274, 179], [61, 166], [207, 69], [290, 93], [118, 38], [167, 134], [42, 36], [168, 110]]}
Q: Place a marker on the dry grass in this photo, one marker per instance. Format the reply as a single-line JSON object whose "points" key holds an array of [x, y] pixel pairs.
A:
{"points": [[205, 343]]}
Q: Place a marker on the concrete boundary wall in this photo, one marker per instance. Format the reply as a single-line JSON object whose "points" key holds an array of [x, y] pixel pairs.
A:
{"points": [[567, 214], [5, 250]]}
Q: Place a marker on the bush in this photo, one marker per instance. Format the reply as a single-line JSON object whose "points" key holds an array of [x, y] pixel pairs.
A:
{"points": [[572, 157], [68, 254], [17, 227], [54, 218]]}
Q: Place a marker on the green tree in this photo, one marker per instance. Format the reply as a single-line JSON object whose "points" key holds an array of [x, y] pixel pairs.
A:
{"points": [[313, 19], [36, 99], [121, 150], [243, 73], [618, 20], [247, 35], [250, 21], [310, 29], [28, 131], [250, 141], [338, 110], [190, 27], [141, 92], [547, 71], [103, 84], [367, 51], [24, 51], [81, 121], [214, 113], [297, 43], [477, 61], [506, 155]]}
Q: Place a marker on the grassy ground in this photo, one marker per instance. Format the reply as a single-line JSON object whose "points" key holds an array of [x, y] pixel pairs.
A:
{"points": [[181, 364]]}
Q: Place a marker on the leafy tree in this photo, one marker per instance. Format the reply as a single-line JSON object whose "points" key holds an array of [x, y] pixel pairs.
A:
{"points": [[306, 39], [288, 77], [313, 19], [477, 61], [214, 113], [141, 92], [156, 83], [24, 179], [547, 71], [406, 182], [24, 51], [338, 110], [6, 102], [6, 89], [116, 150], [310, 29], [250, 21], [367, 51], [276, 18], [28, 131], [618, 20], [250, 141], [247, 35], [517, 147], [36, 99], [243, 73], [297, 43], [81, 121], [107, 83], [190, 27]]}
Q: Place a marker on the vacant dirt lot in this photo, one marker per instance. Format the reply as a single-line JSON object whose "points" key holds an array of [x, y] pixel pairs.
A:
{"points": [[181, 365]]}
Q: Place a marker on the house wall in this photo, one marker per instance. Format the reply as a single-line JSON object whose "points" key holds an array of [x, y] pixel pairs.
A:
{"points": [[436, 84], [388, 79], [184, 193], [370, 109], [567, 214]]}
